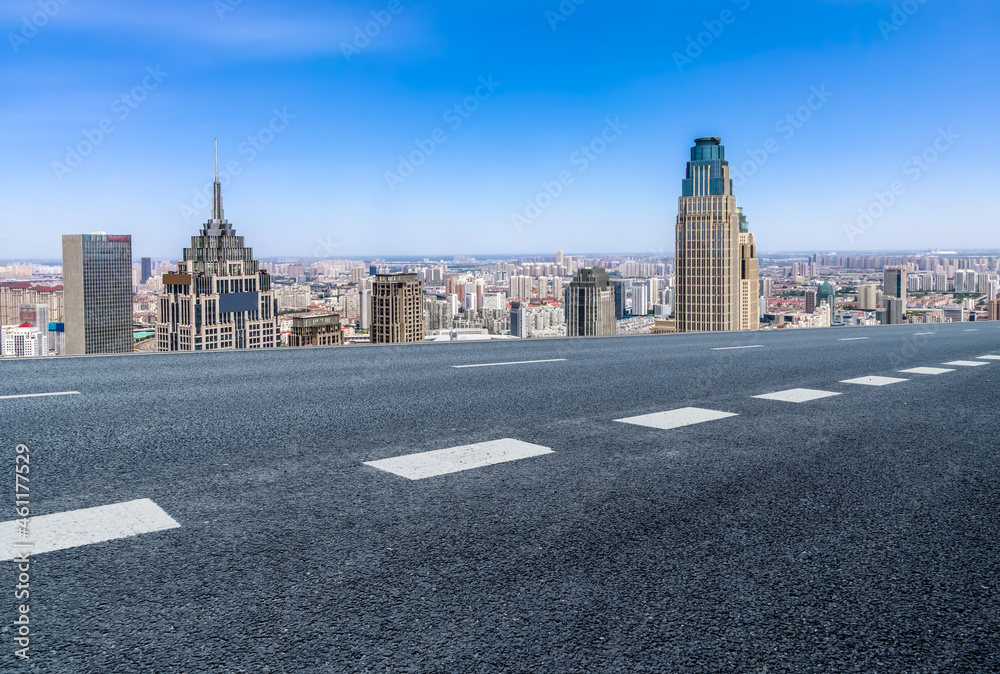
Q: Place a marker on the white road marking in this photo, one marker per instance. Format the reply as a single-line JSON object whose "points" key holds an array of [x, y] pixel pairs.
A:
{"points": [[989, 357], [927, 370], [84, 527], [41, 395], [457, 459], [967, 363], [798, 395], [686, 416], [733, 348], [973, 330], [874, 381], [853, 339], [916, 334], [521, 362]]}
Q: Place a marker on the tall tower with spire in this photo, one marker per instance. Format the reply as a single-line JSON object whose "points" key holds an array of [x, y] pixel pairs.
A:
{"points": [[219, 298], [716, 253]]}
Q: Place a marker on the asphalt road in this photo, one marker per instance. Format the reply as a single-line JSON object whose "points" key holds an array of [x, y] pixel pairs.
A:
{"points": [[857, 533]]}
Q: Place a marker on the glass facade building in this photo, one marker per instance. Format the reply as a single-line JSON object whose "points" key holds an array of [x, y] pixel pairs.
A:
{"points": [[97, 287]]}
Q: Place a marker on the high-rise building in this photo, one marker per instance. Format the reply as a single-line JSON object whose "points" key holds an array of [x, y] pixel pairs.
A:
{"points": [[749, 277], [620, 292], [810, 301], [520, 287], [23, 341], [710, 259], [97, 293], [147, 270], [590, 304], [559, 257], [35, 314], [894, 284], [895, 311], [994, 308], [518, 320], [316, 331], [868, 298], [640, 299], [397, 309], [219, 298]]}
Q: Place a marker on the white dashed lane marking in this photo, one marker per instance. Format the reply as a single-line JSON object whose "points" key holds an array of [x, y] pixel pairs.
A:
{"points": [[989, 357], [798, 395], [874, 381], [967, 363], [457, 459], [522, 362], [734, 348], [927, 370], [853, 339], [686, 416], [41, 395], [72, 529]]}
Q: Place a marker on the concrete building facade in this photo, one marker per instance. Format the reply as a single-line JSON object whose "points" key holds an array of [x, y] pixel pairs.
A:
{"points": [[316, 331], [219, 298], [590, 304], [397, 309]]}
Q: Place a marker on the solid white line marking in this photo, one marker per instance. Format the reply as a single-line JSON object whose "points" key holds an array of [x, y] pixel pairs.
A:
{"points": [[798, 395], [989, 357], [457, 459], [973, 330], [41, 395], [686, 416], [84, 527], [520, 362], [967, 363], [874, 381], [733, 348], [853, 339], [927, 370], [915, 334]]}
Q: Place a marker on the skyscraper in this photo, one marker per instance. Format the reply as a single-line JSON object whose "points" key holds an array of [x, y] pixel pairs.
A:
{"points": [[590, 304], [994, 309], [749, 277], [397, 309], [147, 270], [868, 298], [716, 258], [219, 298], [518, 320], [620, 292], [895, 284], [97, 287], [810, 301]]}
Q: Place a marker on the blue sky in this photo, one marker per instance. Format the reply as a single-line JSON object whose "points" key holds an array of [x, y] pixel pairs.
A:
{"points": [[316, 119]]}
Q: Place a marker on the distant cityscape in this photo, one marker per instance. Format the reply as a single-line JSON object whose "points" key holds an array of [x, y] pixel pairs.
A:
{"points": [[218, 296]]}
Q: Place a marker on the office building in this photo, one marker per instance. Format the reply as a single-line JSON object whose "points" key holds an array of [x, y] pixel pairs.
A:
{"points": [[24, 341], [219, 298], [316, 331], [894, 284], [621, 290], [518, 320], [810, 301], [97, 293], [147, 270], [895, 311], [713, 269], [994, 308], [640, 299], [590, 304], [749, 277], [868, 298], [397, 309]]}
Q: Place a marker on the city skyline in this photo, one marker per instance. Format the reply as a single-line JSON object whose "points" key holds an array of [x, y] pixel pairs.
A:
{"points": [[316, 130]]}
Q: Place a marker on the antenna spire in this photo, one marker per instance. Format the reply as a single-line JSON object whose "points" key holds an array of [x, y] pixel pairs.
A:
{"points": [[217, 188]]}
